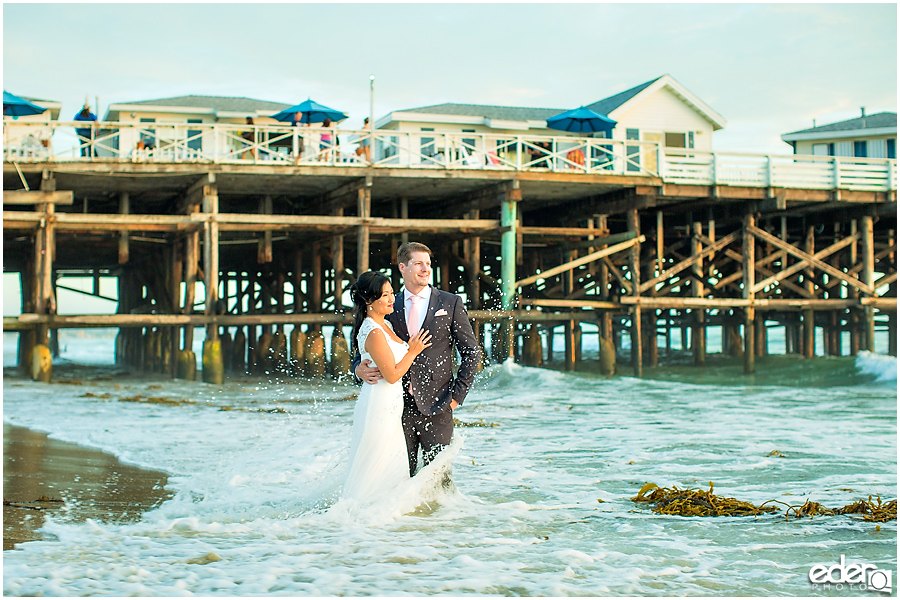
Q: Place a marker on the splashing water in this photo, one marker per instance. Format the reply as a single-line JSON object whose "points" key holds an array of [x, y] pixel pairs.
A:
{"points": [[256, 467]]}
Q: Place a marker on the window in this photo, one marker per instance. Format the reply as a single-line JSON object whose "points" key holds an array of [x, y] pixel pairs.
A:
{"points": [[148, 137], [195, 141], [891, 148], [427, 147], [469, 143], [676, 140], [859, 149], [820, 150], [831, 149], [633, 153]]}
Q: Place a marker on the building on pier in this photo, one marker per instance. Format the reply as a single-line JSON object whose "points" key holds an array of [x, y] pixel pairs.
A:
{"points": [[866, 136], [657, 111], [31, 140]]}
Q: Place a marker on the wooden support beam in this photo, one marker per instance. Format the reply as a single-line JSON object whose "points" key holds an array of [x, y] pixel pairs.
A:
{"points": [[634, 268], [623, 201], [749, 269], [698, 341], [344, 196], [868, 277], [124, 209], [364, 210], [811, 260], [337, 261], [782, 275], [264, 247], [192, 197], [211, 256], [62, 197], [694, 259], [580, 261]]}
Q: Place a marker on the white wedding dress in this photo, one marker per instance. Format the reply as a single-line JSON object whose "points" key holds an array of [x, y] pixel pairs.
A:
{"points": [[378, 457]]}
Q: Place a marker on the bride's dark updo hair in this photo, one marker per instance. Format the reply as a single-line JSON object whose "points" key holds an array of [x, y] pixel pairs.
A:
{"points": [[364, 292]]}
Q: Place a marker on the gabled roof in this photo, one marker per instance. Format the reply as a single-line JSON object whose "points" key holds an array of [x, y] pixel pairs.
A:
{"points": [[505, 113], [54, 106], [877, 121], [522, 114], [230, 104], [201, 104], [607, 105]]}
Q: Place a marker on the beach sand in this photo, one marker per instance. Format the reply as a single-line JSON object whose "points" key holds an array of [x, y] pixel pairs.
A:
{"points": [[43, 476]]}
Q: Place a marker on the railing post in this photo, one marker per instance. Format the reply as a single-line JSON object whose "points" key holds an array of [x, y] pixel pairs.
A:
{"points": [[215, 147], [769, 182], [715, 169], [837, 172]]}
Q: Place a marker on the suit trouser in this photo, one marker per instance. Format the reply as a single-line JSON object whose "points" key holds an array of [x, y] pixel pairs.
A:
{"points": [[432, 432]]}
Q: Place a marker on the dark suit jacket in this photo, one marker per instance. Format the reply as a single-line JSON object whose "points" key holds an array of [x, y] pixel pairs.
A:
{"points": [[432, 378]]}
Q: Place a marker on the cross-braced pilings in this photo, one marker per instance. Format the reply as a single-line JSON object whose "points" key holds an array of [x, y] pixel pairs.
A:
{"points": [[275, 248]]}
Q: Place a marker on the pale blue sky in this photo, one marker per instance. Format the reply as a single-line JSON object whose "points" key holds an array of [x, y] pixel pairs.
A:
{"points": [[767, 68]]}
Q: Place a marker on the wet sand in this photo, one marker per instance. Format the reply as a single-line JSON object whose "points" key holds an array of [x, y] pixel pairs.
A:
{"points": [[45, 476]]}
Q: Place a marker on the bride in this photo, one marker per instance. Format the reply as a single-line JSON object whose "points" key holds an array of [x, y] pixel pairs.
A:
{"points": [[378, 456]]}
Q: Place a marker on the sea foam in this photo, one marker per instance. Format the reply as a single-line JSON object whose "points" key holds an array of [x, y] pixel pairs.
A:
{"points": [[883, 367]]}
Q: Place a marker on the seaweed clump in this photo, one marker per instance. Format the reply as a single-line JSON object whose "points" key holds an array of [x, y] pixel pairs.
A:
{"points": [[703, 503], [696, 503]]}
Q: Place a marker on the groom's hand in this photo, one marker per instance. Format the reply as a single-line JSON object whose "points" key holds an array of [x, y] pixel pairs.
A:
{"points": [[453, 404], [368, 372]]}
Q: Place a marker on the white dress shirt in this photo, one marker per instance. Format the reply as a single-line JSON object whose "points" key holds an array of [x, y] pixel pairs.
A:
{"points": [[422, 303]]}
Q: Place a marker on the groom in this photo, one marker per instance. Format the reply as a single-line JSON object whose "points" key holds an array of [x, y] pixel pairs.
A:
{"points": [[430, 391]]}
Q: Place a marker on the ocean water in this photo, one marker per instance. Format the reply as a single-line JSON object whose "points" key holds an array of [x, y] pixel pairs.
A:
{"points": [[544, 473]]}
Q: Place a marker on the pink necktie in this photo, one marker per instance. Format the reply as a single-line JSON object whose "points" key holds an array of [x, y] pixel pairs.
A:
{"points": [[412, 325], [412, 320]]}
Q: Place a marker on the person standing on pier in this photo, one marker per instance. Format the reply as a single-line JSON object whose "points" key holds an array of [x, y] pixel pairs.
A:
{"points": [[86, 135], [431, 392]]}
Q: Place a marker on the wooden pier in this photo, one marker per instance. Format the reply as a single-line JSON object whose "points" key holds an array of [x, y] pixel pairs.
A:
{"points": [[681, 243]]}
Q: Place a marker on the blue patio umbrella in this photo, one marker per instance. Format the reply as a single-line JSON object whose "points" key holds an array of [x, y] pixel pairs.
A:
{"points": [[581, 120], [311, 112], [14, 106]]}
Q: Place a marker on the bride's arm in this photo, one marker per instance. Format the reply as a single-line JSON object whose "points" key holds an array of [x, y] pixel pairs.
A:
{"points": [[377, 346]]}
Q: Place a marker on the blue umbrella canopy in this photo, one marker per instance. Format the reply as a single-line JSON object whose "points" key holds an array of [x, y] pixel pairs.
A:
{"points": [[311, 112], [14, 106], [581, 120]]}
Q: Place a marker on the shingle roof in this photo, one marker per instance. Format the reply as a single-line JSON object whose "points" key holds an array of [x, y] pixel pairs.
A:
{"points": [[876, 121], [30, 99], [607, 105], [510, 113], [521, 113], [215, 102]]}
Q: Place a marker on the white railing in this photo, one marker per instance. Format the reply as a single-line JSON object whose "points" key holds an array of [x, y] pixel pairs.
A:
{"points": [[285, 145], [272, 144], [791, 171]]}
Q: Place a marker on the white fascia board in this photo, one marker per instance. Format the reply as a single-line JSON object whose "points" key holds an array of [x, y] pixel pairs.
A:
{"points": [[54, 107], [506, 124], [833, 135], [411, 117], [696, 103], [182, 110], [234, 114]]}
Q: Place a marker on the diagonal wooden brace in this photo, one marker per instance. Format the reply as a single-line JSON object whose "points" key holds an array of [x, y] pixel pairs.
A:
{"points": [[808, 260]]}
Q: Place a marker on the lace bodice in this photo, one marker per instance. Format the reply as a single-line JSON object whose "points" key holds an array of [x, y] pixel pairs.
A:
{"points": [[367, 327]]}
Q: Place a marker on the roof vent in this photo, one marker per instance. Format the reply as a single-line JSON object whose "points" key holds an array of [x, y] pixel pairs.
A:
{"points": [[863, 110]]}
